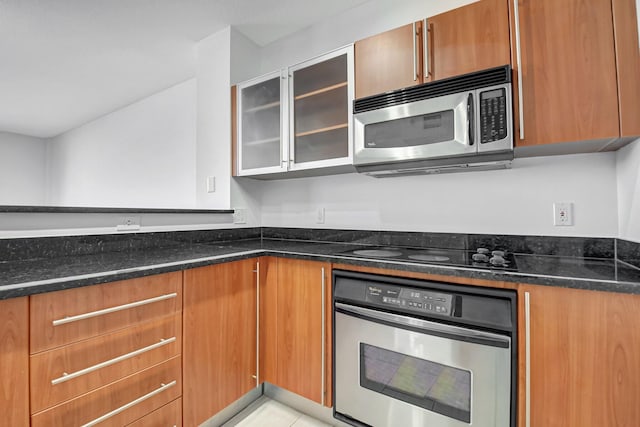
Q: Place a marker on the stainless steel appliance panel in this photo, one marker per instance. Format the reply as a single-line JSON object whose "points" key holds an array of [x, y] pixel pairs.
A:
{"points": [[486, 356]]}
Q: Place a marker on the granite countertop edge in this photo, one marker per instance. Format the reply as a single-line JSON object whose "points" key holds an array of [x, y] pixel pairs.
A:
{"points": [[222, 253]]}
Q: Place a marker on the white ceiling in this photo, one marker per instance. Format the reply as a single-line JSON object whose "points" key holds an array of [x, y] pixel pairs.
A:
{"points": [[66, 62]]}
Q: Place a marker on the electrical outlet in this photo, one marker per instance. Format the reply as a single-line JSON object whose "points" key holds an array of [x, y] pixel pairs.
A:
{"points": [[128, 223], [562, 213], [240, 216], [320, 216]]}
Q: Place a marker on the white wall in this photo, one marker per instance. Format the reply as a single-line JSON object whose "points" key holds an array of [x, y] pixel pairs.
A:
{"points": [[23, 169], [628, 176], [516, 201], [142, 155]]}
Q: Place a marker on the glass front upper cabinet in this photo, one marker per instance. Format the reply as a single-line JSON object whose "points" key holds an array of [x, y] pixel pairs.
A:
{"points": [[320, 111], [297, 119], [260, 111]]}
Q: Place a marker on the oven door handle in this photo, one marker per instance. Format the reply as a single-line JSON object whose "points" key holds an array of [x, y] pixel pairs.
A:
{"points": [[431, 328]]}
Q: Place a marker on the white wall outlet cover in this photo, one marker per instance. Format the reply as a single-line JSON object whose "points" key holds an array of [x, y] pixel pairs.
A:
{"points": [[128, 223], [320, 216], [563, 213], [240, 216], [211, 184]]}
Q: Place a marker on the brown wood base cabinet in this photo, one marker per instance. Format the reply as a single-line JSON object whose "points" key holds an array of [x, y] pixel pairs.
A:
{"points": [[296, 327], [14, 361], [584, 356], [220, 341]]}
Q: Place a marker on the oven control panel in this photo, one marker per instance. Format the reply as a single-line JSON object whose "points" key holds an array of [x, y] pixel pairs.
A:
{"points": [[411, 299]]}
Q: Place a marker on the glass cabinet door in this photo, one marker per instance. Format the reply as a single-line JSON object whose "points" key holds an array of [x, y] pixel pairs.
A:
{"points": [[260, 137], [321, 94]]}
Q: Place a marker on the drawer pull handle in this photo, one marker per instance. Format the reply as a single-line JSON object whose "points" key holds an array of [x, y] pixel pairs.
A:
{"points": [[113, 309], [106, 416], [67, 377]]}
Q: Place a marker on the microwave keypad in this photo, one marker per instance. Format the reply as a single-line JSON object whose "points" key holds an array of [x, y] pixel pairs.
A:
{"points": [[493, 115]]}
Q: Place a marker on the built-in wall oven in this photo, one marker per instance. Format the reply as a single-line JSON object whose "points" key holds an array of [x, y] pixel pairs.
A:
{"points": [[419, 353]]}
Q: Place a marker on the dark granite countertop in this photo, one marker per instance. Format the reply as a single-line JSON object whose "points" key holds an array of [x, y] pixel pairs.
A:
{"points": [[26, 277]]}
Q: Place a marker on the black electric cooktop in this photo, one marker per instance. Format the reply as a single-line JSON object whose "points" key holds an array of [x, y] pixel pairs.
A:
{"points": [[480, 258]]}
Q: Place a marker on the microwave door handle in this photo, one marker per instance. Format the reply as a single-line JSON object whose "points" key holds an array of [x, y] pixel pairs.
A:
{"points": [[470, 119]]}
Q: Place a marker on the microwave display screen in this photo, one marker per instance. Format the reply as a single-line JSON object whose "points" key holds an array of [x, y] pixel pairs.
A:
{"points": [[411, 131]]}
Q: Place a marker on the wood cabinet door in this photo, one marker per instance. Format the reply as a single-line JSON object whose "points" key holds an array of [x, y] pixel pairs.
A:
{"points": [[388, 61], [302, 340], [568, 71], [219, 337], [14, 361], [467, 39], [584, 356]]}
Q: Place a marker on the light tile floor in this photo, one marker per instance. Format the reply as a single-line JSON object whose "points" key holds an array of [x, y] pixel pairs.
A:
{"points": [[267, 412]]}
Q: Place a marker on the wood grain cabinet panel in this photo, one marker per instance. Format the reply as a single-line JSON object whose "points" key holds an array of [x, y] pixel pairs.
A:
{"points": [[301, 337], [119, 403], [49, 307], [585, 358], [219, 337], [170, 415], [385, 61], [14, 361], [568, 71], [114, 356], [467, 39]]}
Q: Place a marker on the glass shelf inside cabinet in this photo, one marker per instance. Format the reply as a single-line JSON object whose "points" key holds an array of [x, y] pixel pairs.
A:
{"points": [[260, 125], [321, 105]]}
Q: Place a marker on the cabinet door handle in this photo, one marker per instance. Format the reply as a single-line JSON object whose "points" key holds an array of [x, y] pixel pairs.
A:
{"points": [[66, 377], [425, 35], [516, 17], [113, 309], [527, 359], [415, 53], [257, 375], [322, 369], [123, 408]]}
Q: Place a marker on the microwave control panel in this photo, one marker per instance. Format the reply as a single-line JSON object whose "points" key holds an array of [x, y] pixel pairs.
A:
{"points": [[410, 299], [493, 115]]}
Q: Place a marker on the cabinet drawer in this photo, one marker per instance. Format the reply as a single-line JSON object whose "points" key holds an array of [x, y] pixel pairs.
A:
{"points": [[98, 361], [170, 415], [119, 403], [64, 317]]}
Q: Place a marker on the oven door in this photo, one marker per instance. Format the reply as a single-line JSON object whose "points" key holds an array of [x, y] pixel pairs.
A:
{"points": [[426, 129], [393, 370]]}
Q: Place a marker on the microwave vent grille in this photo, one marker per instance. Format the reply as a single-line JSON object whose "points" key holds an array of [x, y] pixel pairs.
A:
{"points": [[491, 77]]}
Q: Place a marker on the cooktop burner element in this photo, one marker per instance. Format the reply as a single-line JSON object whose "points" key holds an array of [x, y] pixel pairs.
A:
{"points": [[385, 253], [482, 258], [429, 257]]}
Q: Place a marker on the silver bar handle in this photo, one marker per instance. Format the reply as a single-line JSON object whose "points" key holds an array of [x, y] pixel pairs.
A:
{"points": [[516, 15], [415, 53], [112, 309], [123, 408], [322, 372], [257, 375], [66, 377], [425, 41], [527, 358]]}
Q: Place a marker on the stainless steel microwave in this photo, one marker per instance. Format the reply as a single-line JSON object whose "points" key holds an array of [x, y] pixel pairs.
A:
{"points": [[461, 123]]}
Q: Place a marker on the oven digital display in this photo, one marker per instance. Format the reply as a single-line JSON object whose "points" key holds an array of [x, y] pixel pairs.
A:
{"points": [[430, 385]]}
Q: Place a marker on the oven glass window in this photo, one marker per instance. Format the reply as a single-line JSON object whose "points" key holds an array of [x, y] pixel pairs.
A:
{"points": [[411, 131], [430, 385]]}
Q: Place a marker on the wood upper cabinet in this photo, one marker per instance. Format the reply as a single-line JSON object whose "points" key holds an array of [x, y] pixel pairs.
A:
{"points": [[219, 337], [584, 355], [14, 361], [467, 39], [295, 343], [568, 71], [388, 61]]}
